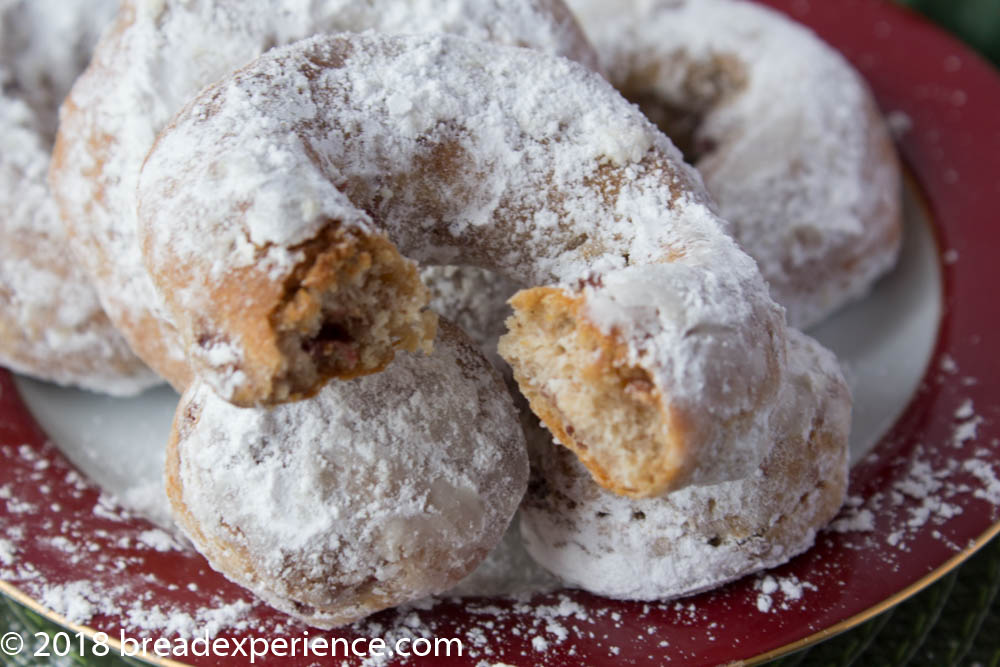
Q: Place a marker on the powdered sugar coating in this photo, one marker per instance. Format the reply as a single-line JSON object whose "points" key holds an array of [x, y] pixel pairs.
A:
{"points": [[455, 151], [162, 52], [374, 492], [476, 300], [787, 137], [51, 323], [44, 45], [700, 537], [717, 349], [336, 128]]}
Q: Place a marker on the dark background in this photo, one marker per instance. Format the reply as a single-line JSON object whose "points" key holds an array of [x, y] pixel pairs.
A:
{"points": [[975, 21]]}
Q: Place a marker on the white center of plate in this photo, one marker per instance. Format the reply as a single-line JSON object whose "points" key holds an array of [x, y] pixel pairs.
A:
{"points": [[885, 341]]}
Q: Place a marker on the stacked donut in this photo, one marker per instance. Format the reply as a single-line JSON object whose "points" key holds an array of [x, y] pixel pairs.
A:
{"points": [[259, 195], [784, 132], [52, 325]]}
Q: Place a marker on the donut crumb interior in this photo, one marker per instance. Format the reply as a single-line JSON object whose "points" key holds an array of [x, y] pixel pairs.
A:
{"points": [[352, 305], [607, 411]]}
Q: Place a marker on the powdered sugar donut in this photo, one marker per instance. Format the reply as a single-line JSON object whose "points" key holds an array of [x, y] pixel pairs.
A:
{"points": [[159, 54], [374, 492], [281, 208], [699, 538], [51, 323], [44, 45], [784, 131]]}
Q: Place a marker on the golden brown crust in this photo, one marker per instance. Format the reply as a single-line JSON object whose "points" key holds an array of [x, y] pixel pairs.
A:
{"points": [[231, 557], [148, 336], [98, 358], [52, 324]]}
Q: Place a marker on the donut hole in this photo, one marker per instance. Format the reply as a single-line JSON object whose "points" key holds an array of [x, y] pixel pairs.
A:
{"points": [[608, 412], [679, 108], [679, 123], [348, 308]]}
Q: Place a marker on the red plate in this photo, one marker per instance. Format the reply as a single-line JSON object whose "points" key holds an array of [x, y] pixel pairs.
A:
{"points": [[929, 493]]}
